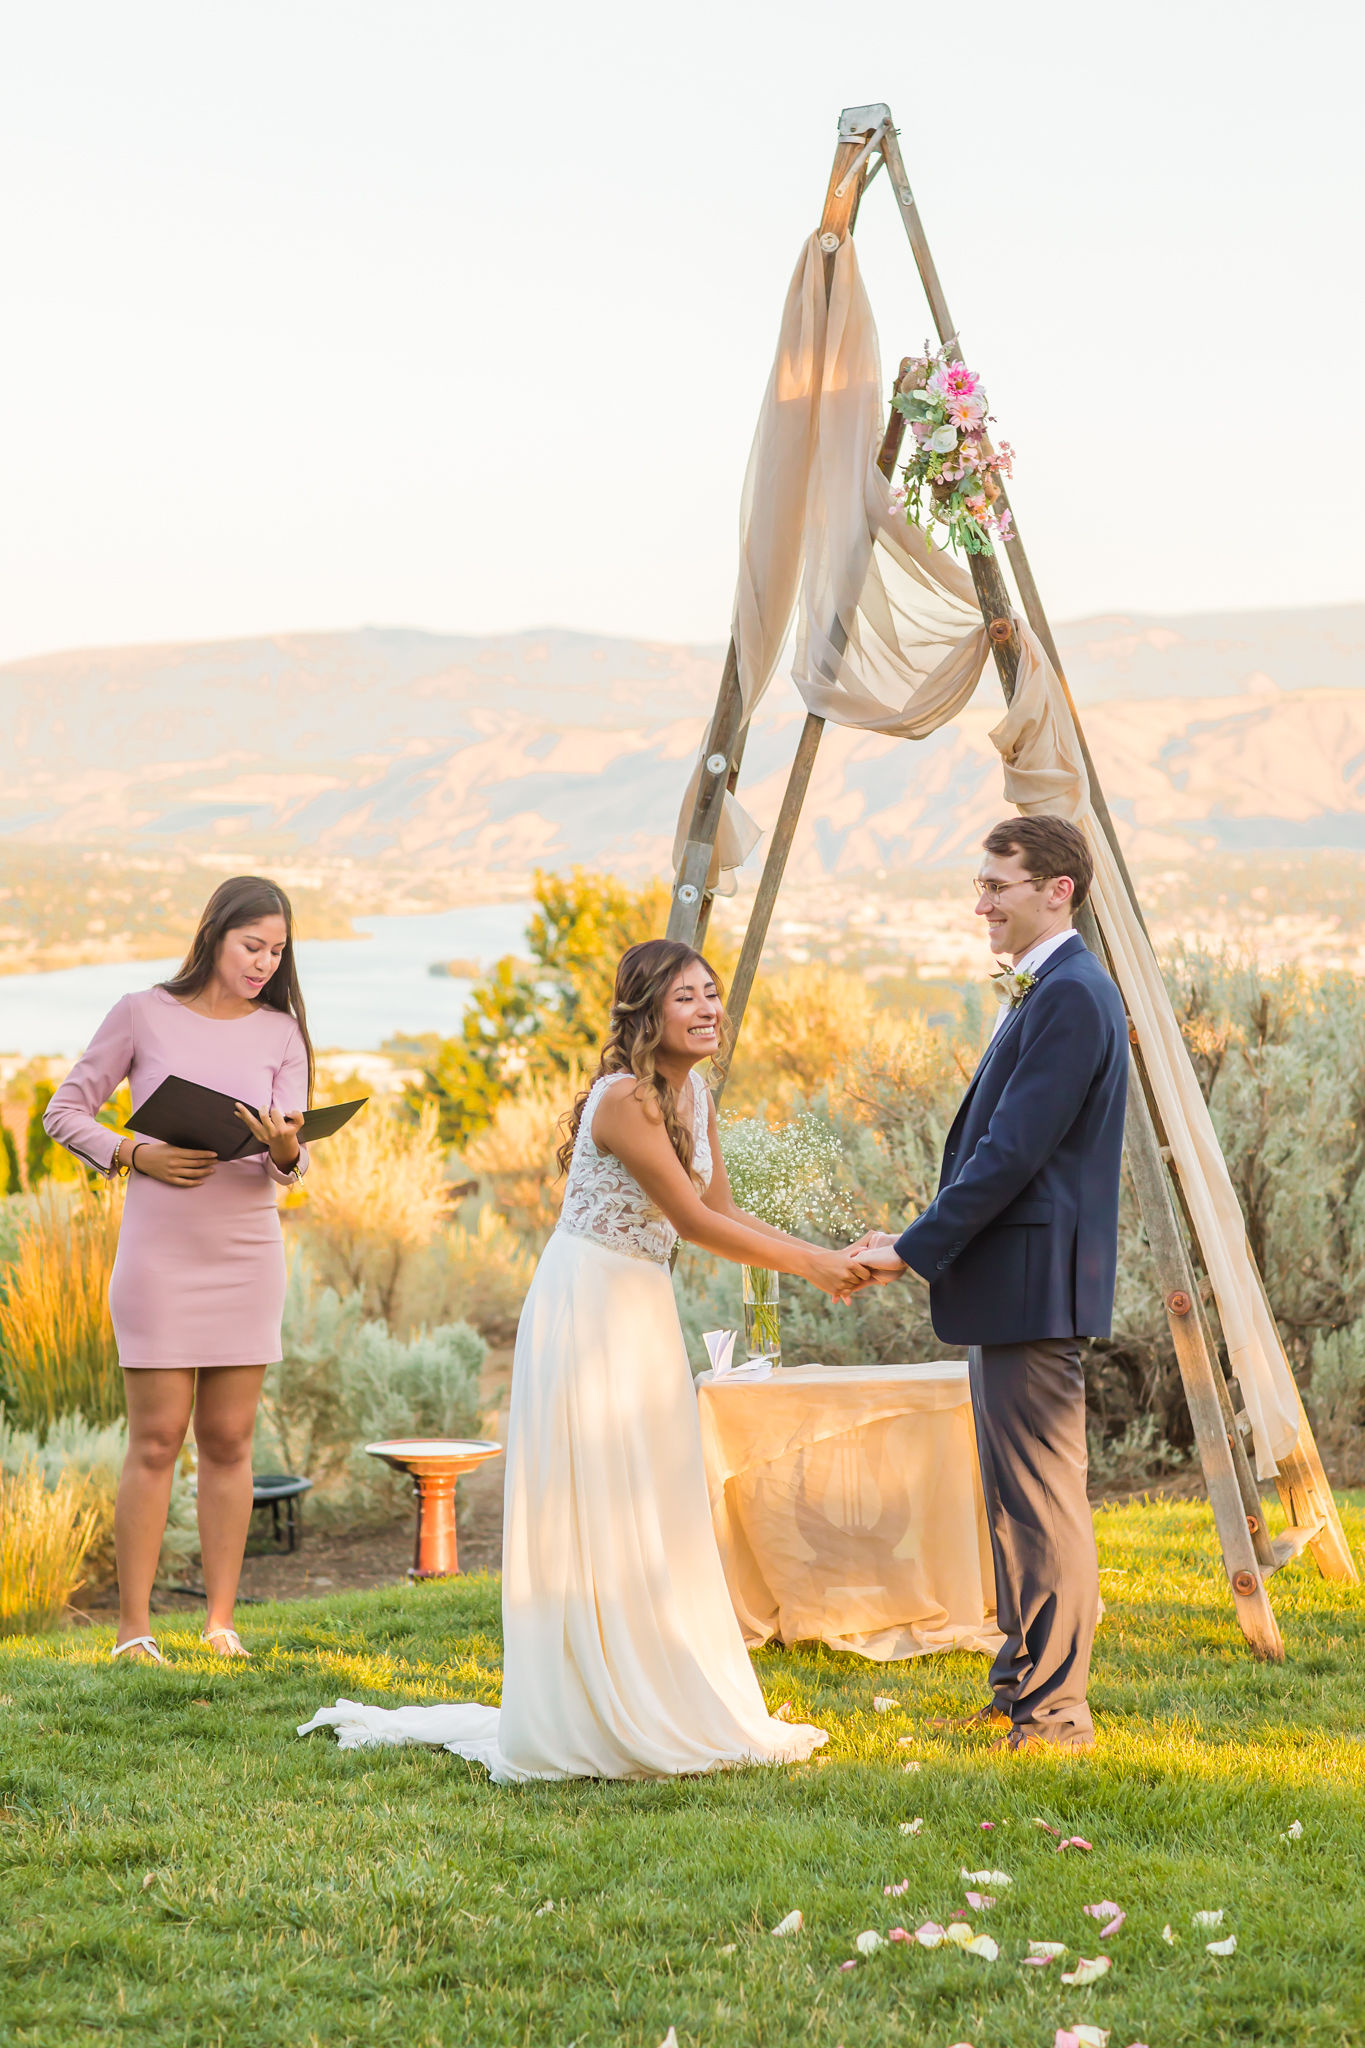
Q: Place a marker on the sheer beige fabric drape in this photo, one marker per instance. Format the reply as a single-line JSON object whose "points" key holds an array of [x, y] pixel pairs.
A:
{"points": [[890, 639]]}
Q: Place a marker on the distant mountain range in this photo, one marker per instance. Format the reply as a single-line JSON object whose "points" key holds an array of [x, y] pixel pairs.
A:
{"points": [[480, 758]]}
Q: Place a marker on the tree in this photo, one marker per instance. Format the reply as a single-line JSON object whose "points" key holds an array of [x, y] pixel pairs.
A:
{"points": [[544, 1017]]}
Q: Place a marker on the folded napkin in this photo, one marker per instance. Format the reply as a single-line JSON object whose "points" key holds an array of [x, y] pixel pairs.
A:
{"points": [[720, 1349]]}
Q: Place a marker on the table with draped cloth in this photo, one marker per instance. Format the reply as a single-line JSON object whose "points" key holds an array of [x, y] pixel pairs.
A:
{"points": [[847, 1505]]}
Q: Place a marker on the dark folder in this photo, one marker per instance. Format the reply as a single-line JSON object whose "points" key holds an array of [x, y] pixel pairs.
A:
{"points": [[183, 1113]]}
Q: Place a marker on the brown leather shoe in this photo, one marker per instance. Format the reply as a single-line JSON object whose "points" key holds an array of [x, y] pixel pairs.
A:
{"points": [[988, 1717], [1022, 1738]]}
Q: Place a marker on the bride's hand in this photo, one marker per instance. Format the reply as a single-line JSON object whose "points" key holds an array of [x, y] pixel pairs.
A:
{"points": [[873, 1241], [839, 1273]]}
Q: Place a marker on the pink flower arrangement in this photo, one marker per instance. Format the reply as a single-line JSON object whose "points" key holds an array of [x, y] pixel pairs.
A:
{"points": [[951, 479]]}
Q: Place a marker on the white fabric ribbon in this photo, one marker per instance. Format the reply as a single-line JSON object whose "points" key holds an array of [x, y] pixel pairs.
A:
{"points": [[890, 639]]}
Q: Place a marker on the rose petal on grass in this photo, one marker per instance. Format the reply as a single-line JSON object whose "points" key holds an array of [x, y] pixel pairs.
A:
{"points": [[986, 1826], [1074, 1842], [868, 1941], [1088, 1969], [931, 1935], [959, 1933], [899, 1934], [1047, 1827], [1092, 2037], [881, 1704], [1110, 1912], [1222, 1948], [893, 1891], [912, 1827], [670, 2039], [1064, 2038], [548, 1907], [1034, 1962], [729, 1948], [1213, 1918], [1166, 1934], [980, 1902], [851, 1964], [792, 1924], [149, 1880], [982, 1945], [913, 1766], [985, 1877], [1045, 1951], [1293, 1831]]}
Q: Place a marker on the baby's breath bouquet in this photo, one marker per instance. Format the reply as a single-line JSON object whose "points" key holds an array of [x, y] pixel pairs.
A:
{"points": [[787, 1176]]}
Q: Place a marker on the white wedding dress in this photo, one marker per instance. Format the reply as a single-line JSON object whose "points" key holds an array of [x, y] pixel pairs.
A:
{"points": [[622, 1655]]}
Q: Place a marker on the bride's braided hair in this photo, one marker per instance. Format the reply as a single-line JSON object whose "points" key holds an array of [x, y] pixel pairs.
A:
{"points": [[643, 979]]}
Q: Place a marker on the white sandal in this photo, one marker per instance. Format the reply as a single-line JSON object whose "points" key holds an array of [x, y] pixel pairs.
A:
{"points": [[235, 1646], [147, 1643]]}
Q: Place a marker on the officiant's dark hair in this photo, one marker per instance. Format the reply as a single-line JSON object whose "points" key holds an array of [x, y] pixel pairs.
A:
{"points": [[243, 899], [643, 978], [1051, 846]]}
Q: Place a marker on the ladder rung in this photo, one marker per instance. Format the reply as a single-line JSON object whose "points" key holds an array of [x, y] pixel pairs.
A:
{"points": [[1285, 1548]]}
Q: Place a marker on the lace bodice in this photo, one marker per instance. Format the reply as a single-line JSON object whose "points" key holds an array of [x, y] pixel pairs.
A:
{"points": [[605, 1202]]}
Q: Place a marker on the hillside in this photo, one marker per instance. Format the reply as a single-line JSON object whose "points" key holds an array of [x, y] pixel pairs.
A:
{"points": [[472, 760]]}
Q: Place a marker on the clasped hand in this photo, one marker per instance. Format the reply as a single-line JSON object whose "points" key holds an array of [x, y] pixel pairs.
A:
{"points": [[869, 1263], [876, 1258]]}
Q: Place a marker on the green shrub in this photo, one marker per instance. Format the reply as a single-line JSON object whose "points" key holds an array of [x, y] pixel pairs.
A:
{"points": [[345, 1381], [426, 1387], [95, 1456], [476, 1274]]}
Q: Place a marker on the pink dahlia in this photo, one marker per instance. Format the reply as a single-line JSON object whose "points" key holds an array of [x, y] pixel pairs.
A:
{"points": [[954, 377]]}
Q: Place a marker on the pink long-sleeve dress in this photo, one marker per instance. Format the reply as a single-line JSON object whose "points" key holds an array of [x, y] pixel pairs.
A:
{"points": [[199, 1277]]}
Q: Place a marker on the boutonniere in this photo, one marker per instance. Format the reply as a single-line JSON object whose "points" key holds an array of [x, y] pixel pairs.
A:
{"points": [[1014, 987]]}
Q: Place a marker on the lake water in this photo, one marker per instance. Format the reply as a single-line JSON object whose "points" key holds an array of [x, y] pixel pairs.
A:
{"points": [[359, 991]]}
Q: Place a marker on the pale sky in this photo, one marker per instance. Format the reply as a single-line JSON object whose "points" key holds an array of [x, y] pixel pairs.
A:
{"points": [[321, 313]]}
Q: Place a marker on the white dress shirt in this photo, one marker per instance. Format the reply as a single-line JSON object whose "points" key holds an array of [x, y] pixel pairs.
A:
{"points": [[1031, 962]]}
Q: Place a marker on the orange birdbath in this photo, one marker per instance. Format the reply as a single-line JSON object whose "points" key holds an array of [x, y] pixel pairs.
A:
{"points": [[435, 1463]]}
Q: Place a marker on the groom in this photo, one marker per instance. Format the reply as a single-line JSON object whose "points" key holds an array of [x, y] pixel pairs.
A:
{"points": [[1019, 1247]]}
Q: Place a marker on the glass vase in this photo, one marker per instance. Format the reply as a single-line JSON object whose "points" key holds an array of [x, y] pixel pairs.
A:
{"points": [[762, 1335]]}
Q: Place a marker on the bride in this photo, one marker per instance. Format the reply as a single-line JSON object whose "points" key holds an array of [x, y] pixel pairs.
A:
{"points": [[622, 1654]]}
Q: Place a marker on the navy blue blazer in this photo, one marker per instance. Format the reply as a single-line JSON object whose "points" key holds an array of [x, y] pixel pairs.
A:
{"points": [[1021, 1240]]}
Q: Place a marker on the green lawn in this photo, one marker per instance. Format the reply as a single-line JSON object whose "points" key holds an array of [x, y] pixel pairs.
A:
{"points": [[178, 1867]]}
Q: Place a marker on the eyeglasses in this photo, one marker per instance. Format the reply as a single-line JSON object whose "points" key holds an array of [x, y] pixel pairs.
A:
{"points": [[995, 890]]}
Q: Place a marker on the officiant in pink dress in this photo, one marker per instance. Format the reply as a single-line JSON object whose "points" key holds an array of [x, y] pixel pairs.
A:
{"points": [[197, 1291]]}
